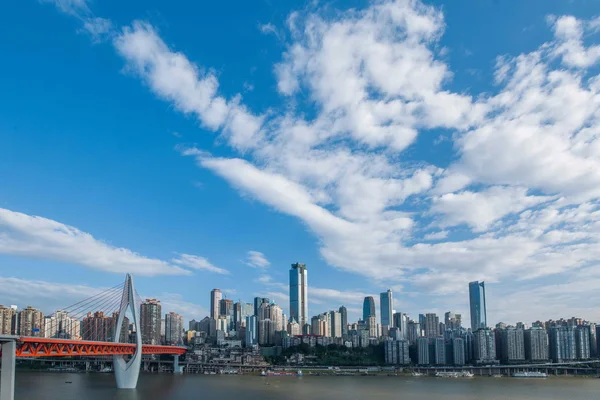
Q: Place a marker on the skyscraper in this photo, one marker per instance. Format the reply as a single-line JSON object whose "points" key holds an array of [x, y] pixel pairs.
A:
{"points": [[484, 346], [173, 329], [368, 308], [536, 344], [150, 313], [7, 315], [258, 301], [31, 322], [387, 304], [215, 303], [477, 302], [299, 293], [432, 325], [226, 307], [344, 315]]}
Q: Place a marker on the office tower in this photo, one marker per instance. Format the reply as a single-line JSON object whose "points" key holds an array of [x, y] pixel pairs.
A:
{"points": [[458, 351], [258, 301], [293, 328], [299, 293], [226, 307], [387, 304], [510, 345], [582, 342], [396, 352], [344, 316], [264, 311], [61, 325], [276, 316], [335, 319], [251, 330], [423, 350], [173, 329], [368, 308], [413, 331], [150, 319], [7, 315], [31, 322], [215, 303], [484, 346], [536, 344], [562, 343], [477, 303], [432, 325], [237, 316]]}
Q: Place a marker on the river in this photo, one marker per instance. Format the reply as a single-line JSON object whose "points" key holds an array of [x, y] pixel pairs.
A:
{"points": [[53, 386]]}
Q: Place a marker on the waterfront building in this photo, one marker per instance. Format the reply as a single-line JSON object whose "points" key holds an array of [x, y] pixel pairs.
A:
{"points": [[469, 339], [266, 332], [582, 342], [477, 305], [150, 321], [368, 308], [7, 316], [215, 303], [438, 351], [562, 343], [396, 352], [386, 305], [31, 322], [484, 346], [299, 293], [173, 329], [593, 343], [458, 351], [423, 350], [251, 330], [510, 345], [344, 316], [432, 325], [536, 344]]}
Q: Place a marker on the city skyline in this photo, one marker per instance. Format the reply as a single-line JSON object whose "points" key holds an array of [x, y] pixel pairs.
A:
{"points": [[213, 146]]}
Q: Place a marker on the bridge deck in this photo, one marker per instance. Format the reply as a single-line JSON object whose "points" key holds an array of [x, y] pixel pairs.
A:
{"points": [[43, 347]]}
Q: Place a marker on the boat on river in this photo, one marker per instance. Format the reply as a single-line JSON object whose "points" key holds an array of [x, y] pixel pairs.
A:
{"points": [[530, 374]]}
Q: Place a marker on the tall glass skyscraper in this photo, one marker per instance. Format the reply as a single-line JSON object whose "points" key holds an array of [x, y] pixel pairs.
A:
{"points": [[215, 303], [299, 293], [368, 308], [477, 301], [387, 304]]}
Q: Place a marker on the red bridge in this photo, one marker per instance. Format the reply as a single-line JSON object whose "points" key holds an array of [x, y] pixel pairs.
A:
{"points": [[105, 335]]}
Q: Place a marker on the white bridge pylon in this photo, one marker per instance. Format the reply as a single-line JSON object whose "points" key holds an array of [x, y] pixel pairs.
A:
{"points": [[127, 372]]}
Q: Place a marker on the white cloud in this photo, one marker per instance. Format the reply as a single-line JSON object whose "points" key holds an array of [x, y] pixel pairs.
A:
{"points": [[72, 7], [197, 262], [37, 237], [98, 28], [257, 259]]}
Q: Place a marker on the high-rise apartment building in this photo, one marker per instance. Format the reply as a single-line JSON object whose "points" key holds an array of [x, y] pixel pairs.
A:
{"points": [[215, 303], [150, 319], [536, 344], [438, 351], [400, 321], [31, 322], [511, 343], [276, 316], [582, 342], [251, 330], [562, 343], [344, 316], [173, 329], [413, 331], [7, 316], [477, 305], [386, 304], [452, 320], [396, 352], [458, 350], [373, 327], [97, 327], [299, 293], [484, 346], [61, 325], [293, 328], [423, 350], [335, 320], [432, 325], [258, 301], [368, 308]]}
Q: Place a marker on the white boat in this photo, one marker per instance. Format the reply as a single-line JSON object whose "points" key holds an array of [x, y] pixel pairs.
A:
{"points": [[417, 374], [454, 374], [531, 374]]}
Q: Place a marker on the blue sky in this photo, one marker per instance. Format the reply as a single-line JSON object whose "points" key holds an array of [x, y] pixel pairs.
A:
{"points": [[403, 144]]}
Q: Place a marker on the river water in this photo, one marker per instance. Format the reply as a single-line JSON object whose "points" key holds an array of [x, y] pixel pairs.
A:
{"points": [[53, 386]]}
